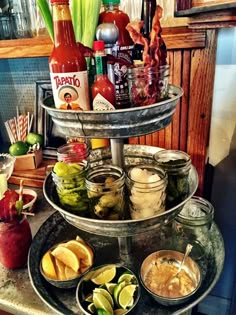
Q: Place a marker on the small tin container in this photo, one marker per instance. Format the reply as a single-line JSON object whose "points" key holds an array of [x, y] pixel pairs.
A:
{"points": [[146, 190], [177, 165], [105, 186]]}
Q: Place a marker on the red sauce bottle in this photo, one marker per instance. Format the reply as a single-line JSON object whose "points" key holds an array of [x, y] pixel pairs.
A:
{"points": [[103, 90], [68, 69], [122, 49]]}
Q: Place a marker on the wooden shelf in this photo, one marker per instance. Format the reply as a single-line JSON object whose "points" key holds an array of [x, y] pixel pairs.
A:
{"points": [[205, 9], [175, 38]]}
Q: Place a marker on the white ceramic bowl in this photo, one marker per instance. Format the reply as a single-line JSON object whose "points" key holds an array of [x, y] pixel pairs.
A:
{"points": [[28, 207]]}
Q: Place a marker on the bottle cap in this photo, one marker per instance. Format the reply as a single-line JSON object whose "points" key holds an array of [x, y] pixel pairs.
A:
{"points": [[110, 1], [98, 45]]}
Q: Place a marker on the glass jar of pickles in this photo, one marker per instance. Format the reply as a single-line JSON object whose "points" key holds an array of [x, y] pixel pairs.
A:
{"points": [[146, 190], [105, 187], [177, 165], [69, 179]]}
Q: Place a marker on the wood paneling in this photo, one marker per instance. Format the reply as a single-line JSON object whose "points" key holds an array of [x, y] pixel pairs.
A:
{"points": [[193, 69]]}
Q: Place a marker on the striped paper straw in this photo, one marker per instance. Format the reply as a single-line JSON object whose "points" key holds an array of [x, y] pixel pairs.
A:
{"points": [[13, 129], [25, 128]]}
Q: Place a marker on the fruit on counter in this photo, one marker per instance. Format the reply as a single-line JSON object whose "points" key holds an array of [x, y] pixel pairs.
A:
{"points": [[33, 138], [67, 260], [70, 184], [113, 290], [18, 148]]}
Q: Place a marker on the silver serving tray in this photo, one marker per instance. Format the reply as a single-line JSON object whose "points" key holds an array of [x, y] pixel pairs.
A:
{"points": [[134, 155], [123, 123]]}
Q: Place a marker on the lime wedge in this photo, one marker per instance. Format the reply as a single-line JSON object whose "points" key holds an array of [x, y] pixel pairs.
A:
{"points": [[91, 308], [101, 302], [119, 311], [104, 274], [128, 278], [126, 296], [106, 294], [102, 312], [110, 287], [118, 287]]}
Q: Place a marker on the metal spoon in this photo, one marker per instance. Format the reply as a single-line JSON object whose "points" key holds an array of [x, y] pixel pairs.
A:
{"points": [[187, 252]]}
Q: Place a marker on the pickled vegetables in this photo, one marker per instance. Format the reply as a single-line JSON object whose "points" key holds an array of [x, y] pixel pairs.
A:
{"points": [[70, 184]]}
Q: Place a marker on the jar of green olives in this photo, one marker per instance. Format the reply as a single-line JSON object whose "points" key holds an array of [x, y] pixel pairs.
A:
{"points": [[69, 179], [105, 187], [177, 165]]}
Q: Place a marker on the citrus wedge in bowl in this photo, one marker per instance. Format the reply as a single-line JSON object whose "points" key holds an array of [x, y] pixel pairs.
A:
{"points": [[65, 263], [100, 290]]}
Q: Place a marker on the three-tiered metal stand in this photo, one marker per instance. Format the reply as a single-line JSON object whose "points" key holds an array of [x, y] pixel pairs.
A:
{"points": [[136, 238]]}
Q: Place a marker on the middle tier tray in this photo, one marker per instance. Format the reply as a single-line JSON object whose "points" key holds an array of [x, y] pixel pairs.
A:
{"points": [[133, 155]]}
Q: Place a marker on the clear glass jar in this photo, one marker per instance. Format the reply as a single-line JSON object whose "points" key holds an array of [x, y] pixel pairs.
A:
{"points": [[177, 165], [74, 152], [15, 241], [105, 186], [148, 85], [195, 220], [146, 190], [71, 189]]}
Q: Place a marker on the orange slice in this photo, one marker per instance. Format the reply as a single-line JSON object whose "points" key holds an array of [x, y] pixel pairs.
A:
{"points": [[70, 273], [67, 257], [60, 268], [48, 266]]}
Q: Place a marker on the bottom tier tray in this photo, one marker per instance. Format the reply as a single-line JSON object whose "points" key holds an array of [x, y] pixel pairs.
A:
{"points": [[56, 229]]}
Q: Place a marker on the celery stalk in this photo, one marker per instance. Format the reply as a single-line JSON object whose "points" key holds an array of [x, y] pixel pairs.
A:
{"points": [[47, 16], [76, 15], [91, 10], [85, 15]]}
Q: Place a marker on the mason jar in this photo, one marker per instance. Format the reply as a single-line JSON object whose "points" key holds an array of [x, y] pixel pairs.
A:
{"points": [[146, 185], [105, 186], [177, 165], [195, 220], [148, 85], [74, 152], [71, 188]]}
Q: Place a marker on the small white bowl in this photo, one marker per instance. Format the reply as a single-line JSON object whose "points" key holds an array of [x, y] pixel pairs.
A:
{"points": [[29, 206]]}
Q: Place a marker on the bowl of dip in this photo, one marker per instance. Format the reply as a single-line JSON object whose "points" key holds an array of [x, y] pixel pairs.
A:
{"points": [[29, 197], [159, 279]]}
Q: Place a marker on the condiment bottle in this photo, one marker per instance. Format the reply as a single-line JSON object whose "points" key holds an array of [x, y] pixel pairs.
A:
{"points": [[68, 69], [122, 49], [103, 90]]}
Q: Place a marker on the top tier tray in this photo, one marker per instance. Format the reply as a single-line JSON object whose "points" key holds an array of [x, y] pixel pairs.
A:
{"points": [[123, 123]]}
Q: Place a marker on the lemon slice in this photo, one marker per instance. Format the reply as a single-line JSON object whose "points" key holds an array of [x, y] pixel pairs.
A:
{"points": [[60, 268], [101, 302], [48, 266], [104, 274], [106, 294], [70, 273], [126, 296], [67, 257], [82, 251]]}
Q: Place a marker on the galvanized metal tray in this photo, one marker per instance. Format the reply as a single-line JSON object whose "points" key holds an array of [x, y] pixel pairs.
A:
{"points": [[124, 123], [133, 155]]}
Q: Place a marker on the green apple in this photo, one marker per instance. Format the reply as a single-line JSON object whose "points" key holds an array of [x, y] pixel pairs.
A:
{"points": [[33, 138]]}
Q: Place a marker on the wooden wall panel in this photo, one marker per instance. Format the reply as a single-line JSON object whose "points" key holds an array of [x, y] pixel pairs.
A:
{"points": [[193, 70]]}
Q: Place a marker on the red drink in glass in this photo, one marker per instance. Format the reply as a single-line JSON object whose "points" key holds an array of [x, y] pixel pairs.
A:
{"points": [[15, 241]]}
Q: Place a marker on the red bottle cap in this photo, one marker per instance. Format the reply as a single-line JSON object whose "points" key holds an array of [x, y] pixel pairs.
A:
{"points": [[98, 45]]}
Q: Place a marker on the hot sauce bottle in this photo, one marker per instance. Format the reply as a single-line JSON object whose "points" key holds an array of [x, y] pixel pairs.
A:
{"points": [[68, 69], [103, 90], [122, 49]]}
